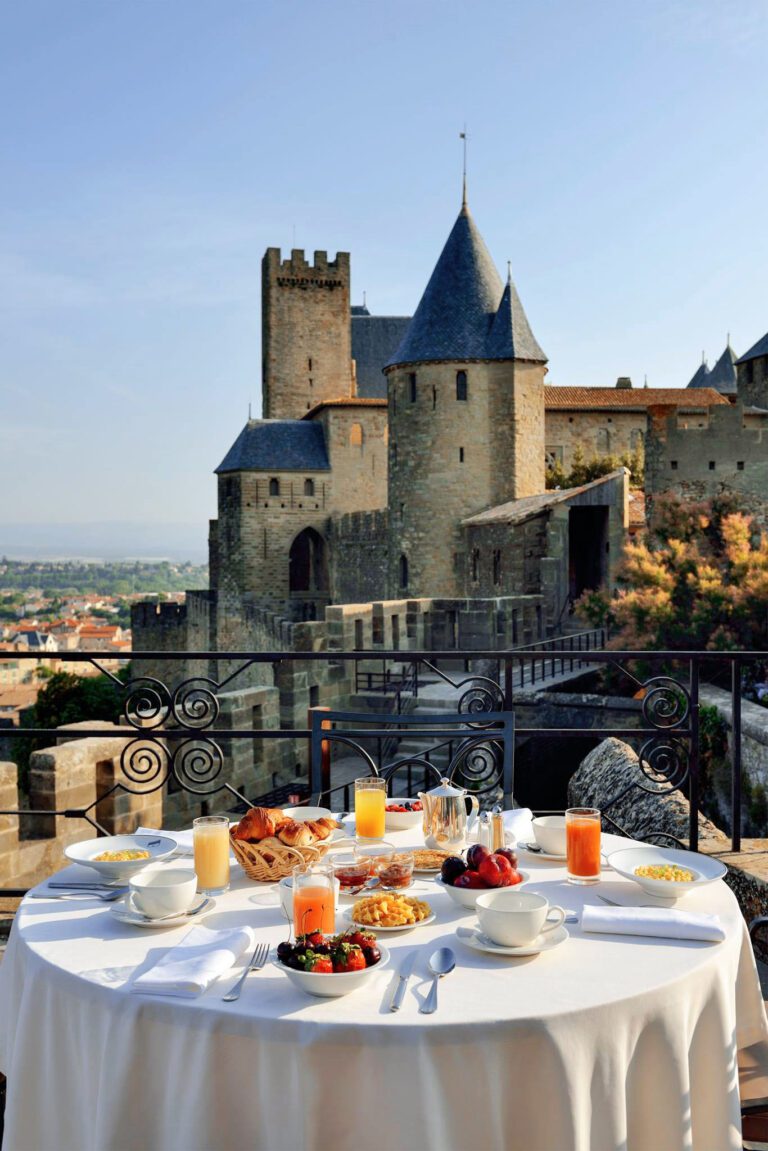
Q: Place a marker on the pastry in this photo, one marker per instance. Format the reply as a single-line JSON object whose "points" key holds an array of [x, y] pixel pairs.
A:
{"points": [[258, 823], [295, 834]]}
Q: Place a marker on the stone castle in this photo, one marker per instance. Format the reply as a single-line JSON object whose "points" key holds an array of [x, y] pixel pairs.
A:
{"points": [[402, 459]]}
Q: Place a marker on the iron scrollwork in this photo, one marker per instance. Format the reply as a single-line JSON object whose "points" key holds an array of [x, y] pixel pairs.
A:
{"points": [[145, 763], [477, 765]]}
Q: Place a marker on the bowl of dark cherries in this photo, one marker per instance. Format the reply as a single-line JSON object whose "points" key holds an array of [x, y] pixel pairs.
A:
{"points": [[482, 870]]}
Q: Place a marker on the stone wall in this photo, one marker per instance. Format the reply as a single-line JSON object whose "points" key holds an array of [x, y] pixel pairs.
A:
{"points": [[356, 436], [359, 557], [451, 458], [699, 463], [306, 336], [752, 382], [596, 433]]}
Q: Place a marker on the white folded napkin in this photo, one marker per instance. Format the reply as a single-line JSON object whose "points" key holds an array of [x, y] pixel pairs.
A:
{"points": [[189, 968], [519, 824], [182, 839], [662, 922]]}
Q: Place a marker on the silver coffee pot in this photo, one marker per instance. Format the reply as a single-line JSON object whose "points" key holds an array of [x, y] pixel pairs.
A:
{"points": [[446, 820]]}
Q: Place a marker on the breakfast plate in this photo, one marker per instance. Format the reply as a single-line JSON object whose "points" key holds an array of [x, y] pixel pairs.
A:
{"points": [[478, 941], [347, 915], [702, 869], [125, 911], [423, 865], [152, 846]]}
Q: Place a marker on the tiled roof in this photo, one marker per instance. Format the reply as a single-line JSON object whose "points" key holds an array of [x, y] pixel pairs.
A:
{"points": [[351, 402], [517, 511], [375, 339], [757, 350], [457, 316], [699, 377], [723, 375], [277, 445], [636, 398]]}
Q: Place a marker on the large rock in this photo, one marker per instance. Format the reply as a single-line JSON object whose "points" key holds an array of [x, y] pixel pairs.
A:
{"points": [[612, 767]]}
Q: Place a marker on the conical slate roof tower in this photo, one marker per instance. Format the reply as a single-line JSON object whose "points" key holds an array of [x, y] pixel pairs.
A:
{"points": [[466, 415]]}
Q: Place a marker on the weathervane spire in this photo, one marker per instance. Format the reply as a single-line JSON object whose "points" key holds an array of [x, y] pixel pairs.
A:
{"points": [[464, 136]]}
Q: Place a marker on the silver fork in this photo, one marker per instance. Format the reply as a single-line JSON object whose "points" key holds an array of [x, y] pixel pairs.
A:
{"points": [[83, 895], [615, 903], [258, 959]]}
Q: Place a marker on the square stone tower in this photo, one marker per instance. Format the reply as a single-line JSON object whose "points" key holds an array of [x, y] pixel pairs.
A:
{"points": [[306, 345]]}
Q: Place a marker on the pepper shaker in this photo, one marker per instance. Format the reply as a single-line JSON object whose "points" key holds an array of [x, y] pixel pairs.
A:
{"points": [[497, 829]]}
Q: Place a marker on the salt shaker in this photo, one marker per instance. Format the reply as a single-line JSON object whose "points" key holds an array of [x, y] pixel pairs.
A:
{"points": [[497, 829], [484, 830]]}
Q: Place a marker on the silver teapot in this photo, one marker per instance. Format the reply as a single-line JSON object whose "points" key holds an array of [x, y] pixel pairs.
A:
{"points": [[446, 820]]}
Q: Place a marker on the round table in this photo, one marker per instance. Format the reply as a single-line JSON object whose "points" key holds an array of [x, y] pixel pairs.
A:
{"points": [[604, 1042]]}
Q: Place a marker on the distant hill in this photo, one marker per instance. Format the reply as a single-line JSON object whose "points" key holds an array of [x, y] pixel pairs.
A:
{"points": [[108, 541]]}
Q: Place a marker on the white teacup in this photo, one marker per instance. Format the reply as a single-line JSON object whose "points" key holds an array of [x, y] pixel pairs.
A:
{"points": [[549, 831], [513, 918], [285, 891], [163, 891]]}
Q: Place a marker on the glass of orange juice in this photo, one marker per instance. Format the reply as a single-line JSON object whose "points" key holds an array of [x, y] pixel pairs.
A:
{"points": [[582, 844], [210, 840], [314, 899], [370, 806]]}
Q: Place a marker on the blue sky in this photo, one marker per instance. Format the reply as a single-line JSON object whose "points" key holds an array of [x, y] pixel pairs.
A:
{"points": [[151, 151]]}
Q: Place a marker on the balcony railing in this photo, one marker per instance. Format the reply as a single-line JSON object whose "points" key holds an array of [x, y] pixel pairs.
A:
{"points": [[176, 738]]}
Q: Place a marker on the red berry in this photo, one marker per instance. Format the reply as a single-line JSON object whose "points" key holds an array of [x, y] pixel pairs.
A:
{"points": [[475, 856]]}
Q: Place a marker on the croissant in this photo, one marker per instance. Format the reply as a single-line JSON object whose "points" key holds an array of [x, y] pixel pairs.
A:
{"points": [[257, 823], [295, 834]]}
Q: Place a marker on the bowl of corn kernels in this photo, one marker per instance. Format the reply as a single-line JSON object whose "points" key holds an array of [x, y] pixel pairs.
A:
{"points": [[666, 873]]}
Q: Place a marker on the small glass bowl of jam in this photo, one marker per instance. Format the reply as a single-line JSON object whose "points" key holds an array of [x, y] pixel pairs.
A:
{"points": [[352, 873], [397, 871]]}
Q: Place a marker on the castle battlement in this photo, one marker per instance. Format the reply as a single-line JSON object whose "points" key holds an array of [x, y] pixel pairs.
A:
{"points": [[297, 270]]}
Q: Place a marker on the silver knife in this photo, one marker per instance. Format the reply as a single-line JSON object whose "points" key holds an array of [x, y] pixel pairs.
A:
{"points": [[405, 971]]}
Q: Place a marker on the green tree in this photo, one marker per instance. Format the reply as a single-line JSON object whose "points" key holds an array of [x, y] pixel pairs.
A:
{"points": [[584, 471]]}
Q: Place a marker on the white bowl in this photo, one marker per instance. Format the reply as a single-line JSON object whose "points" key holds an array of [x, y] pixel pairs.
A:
{"points": [[334, 984], [549, 833], [467, 896], [161, 890], [704, 868], [402, 820], [159, 847], [302, 814]]}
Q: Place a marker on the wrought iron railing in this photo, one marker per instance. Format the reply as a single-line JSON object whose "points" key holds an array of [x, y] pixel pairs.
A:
{"points": [[172, 741]]}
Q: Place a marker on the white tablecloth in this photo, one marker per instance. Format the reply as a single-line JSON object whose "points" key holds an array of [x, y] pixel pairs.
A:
{"points": [[601, 1043]]}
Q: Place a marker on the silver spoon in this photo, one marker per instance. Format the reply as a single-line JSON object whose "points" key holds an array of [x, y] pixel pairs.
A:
{"points": [[441, 962]]}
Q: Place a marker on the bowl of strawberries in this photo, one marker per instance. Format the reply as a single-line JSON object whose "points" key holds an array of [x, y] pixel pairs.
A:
{"points": [[332, 965], [483, 870]]}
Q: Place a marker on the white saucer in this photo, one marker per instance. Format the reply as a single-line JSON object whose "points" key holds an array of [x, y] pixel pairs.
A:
{"points": [[126, 912], [536, 854], [475, 939], [347, 915]]}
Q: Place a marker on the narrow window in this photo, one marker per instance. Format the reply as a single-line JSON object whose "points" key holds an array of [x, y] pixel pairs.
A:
{"points": [[309, 366], [402, 511], [394, 454], [497, 567], [309, 487], [461, 385], [356, 436], [475, 564], [403, 572], [740, 465], [673, 465], [750, 371], [434, 397], [274, 487], [412, 386], [461, 455], [711, 465]]}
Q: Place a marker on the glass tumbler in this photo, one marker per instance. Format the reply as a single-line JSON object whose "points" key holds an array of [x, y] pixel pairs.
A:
{"points": [[210, 840], [314, 899], [582, 844], [370, 807]]}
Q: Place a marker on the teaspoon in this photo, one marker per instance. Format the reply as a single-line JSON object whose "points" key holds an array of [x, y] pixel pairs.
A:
{"points": [[441, 962]]}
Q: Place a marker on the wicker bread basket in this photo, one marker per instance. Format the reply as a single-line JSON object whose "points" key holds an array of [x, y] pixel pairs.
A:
{"points": [[270, 860]]}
